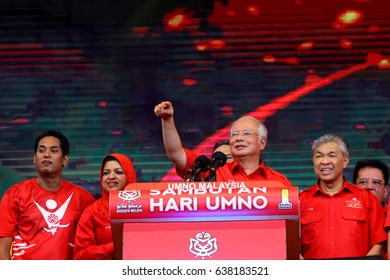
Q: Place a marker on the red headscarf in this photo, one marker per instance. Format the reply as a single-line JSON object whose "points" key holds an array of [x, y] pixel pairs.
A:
{"points": [[127, 167]]}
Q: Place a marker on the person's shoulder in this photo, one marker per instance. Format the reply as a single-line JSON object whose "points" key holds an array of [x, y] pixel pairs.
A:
{"points": [[357, 190], [307, 192], [20, 187], [76, 188], [190, 154], [72, 185], [277, 174], [273, 171], [361, 192], [89, 211], [364, 192]]}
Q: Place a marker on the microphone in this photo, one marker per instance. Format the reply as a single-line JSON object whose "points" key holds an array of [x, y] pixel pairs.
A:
{"points": [[201, 165], [218, 159]]}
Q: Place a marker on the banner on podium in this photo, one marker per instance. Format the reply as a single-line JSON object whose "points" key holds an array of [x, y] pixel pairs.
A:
{"points": [[205, 221], [204, 201]]}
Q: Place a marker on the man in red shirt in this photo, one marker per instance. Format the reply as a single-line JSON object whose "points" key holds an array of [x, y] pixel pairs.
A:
{"points": [[248, 138], [373, 175], [338, 219], [39, 216]]}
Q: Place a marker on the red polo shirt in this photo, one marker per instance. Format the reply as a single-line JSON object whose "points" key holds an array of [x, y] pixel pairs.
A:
{"points": [[347, 224], [234, 172]]}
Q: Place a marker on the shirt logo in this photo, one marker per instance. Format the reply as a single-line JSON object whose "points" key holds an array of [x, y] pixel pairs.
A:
{"points": [[53, 219], [354, 203]]}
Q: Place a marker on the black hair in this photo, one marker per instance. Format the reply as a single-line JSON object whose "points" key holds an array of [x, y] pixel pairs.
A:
{"points": [[64, 143], [108, 158], [220, 143], [371, 163]]}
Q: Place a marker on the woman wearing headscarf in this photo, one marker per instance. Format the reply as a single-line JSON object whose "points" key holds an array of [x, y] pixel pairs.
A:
{"points": [[93, 239]]}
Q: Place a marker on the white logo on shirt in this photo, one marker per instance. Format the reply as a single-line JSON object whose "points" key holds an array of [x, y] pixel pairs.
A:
{"points": [[19, 246], [53, 219]]}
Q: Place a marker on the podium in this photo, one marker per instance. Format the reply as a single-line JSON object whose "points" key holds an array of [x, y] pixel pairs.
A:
{"points": [[251, 220]]}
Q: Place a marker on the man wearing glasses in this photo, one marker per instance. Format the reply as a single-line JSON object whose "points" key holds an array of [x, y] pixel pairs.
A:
{"points": [[247, 139], [373, 175]]}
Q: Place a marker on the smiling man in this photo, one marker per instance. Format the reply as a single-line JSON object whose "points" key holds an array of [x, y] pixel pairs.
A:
{"points": [[338, 219], [248, 139], [373, 175], [38, 217]]}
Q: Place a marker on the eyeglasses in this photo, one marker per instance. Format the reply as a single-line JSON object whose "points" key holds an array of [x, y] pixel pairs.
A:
{"points": [[244, 133], [364, 182]]}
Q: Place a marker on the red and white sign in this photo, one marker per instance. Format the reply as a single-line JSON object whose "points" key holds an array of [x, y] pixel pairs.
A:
{"points": [[207, 221], [227, 240], [203, 201]]}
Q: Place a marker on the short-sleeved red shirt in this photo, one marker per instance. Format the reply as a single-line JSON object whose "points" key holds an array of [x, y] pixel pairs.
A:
{"points": [[234, 172], [43, 223], [347, 224]]}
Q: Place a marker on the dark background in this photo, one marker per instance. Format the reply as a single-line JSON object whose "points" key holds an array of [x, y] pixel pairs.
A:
{"points": [[95, 70]]}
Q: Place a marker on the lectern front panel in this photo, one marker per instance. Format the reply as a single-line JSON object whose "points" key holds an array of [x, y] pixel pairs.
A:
{"points": [[229, 240]]}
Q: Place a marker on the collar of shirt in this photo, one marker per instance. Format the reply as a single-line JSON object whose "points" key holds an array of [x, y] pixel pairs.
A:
{"points": [[317, 190], [236, 167]]}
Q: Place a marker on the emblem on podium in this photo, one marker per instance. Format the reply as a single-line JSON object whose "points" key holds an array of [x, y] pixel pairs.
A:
{"points": [[203, 245], [129, 195]]}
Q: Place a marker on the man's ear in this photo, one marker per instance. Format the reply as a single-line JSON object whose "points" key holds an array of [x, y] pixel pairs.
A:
{"points": [[65, 160], [346, 161], [263, 143]]}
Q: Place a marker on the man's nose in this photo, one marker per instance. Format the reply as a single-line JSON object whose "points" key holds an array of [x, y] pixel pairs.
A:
{"points": [[325, 160], [369, 186]]}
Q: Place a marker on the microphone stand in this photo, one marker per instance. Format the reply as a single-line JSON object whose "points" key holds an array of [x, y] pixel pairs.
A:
{"points": [[212, 176], [195, 176]]}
